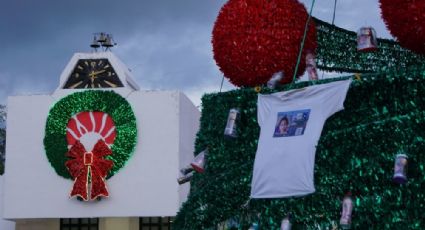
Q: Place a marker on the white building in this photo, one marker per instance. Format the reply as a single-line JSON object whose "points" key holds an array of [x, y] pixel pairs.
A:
{"points": [[144, 194]]}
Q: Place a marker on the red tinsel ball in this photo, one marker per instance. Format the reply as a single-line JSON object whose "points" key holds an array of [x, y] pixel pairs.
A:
{"points": [[405, 19], [253, 39]]}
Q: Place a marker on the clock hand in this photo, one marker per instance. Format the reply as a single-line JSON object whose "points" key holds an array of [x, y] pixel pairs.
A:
{"points": [[100, 71], [93, 73]]}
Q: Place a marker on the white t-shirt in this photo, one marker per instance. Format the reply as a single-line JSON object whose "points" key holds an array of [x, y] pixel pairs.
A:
{"points": [[291, 123]]}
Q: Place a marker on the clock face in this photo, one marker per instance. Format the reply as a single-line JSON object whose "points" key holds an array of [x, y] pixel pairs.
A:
{"points": [[93, 73]]}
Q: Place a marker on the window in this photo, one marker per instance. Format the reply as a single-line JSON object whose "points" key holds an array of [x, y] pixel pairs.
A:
{"points": [[79, 224], [155, 223]]}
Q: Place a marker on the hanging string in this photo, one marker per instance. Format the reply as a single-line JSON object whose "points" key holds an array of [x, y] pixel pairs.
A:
{"points": [[221, 86], [303, 41], [333, 17]]}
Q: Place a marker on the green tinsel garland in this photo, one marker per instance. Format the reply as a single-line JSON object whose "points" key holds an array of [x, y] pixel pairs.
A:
{"points": [[383, 114], [337, 51], [108, 102]]}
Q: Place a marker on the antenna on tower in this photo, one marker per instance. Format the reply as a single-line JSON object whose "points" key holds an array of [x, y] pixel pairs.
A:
{"points": [[103, 40]]}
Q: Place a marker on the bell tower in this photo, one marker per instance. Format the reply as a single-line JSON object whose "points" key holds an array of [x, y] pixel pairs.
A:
{"points": [[99, 69]]}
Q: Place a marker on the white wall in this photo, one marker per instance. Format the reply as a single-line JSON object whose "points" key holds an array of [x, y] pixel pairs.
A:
{"points": [[187, 136], [4, 224], [146, 186]]}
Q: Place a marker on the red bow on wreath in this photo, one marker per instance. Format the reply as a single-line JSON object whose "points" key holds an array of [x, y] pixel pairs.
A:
{"points": [[89, 167]]}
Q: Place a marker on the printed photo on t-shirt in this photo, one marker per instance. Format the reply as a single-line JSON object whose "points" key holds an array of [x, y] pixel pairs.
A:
{"points": [[291, 123]]}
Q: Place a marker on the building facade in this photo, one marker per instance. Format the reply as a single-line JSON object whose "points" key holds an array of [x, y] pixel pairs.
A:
{"points": [[150, 137]]}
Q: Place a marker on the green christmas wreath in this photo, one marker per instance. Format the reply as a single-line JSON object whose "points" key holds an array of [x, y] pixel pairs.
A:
{"points": [[109, 102]]}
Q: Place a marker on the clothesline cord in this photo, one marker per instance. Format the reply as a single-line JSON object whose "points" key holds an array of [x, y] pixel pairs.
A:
{"points": [[303, 41], [221, 86], [333, 17]]}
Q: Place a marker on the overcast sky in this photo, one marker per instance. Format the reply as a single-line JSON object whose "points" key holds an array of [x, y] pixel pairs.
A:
{"points": [[166, 43]]}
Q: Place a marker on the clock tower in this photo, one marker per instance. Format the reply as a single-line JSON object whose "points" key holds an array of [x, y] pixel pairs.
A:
{"points": [[97, 70], [97, 146]]}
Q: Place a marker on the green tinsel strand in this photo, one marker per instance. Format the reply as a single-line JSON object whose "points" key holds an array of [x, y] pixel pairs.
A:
{"points": [[383, 113], [337, 51]]}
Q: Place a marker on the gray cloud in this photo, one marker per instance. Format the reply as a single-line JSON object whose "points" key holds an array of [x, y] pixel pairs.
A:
{"points": [[167, 43]]}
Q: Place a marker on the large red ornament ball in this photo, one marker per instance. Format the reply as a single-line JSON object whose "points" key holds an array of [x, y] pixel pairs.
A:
{"points": [[253, 39], [405, 19]]}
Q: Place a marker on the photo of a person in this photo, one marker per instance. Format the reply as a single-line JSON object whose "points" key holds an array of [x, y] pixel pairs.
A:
{"points": [[282, 127], [291, 123]]}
